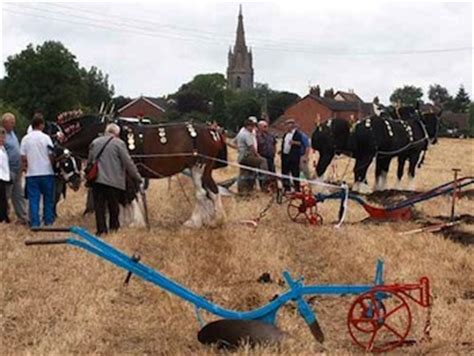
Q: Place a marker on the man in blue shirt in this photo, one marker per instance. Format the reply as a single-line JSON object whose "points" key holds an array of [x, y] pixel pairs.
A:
{"points": [[12, 146]]}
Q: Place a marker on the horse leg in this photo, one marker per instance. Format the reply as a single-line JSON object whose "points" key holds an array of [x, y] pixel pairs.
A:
{"points": [[413, 161], [400, 169], [204, 209], [360, 173], [381, 173], [325, 158], [219, 216]]}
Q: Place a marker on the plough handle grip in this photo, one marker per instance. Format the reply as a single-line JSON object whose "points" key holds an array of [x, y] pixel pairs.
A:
{"points": [[425, 291], [45, 242], [50, 229]]}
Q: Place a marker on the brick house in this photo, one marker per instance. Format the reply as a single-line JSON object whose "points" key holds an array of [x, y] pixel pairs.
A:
{"points": [[315, 107], [153, 108]]}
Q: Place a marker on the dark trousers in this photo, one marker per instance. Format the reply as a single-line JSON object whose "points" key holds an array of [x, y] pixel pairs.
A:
{"points": [[270, 163], [3, 202], [290, 166], [106, 197]]}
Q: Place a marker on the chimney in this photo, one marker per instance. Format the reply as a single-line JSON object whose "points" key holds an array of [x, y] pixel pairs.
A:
{"points": [[316, 91]]}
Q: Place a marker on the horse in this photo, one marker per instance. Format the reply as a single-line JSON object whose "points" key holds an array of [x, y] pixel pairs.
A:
{"points": [[161, 151], [379, 137]]}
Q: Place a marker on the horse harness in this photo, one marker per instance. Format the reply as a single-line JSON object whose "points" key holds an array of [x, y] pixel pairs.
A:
{"points": [[134, 136], [407, 128]]}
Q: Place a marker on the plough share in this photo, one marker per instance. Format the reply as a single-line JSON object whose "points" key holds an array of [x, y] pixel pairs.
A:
{"points": [[379, 319], [303, 206]]}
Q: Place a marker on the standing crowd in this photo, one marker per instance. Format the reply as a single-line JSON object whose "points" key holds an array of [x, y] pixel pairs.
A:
{"points": [[257, 148], [33, 158]]}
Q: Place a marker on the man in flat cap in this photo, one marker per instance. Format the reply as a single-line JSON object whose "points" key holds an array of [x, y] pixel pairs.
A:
{"points": [[246, 142]]}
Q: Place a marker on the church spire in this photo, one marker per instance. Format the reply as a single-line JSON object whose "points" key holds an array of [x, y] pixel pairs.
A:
{"points": [[239, 68], [240, 39]]}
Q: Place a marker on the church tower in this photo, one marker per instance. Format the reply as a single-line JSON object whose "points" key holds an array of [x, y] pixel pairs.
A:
{"points": [[239, 67]]}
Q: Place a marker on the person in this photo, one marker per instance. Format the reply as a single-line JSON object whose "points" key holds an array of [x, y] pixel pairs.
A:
{"points": [[305, 151], [4, 178], [291, 154], [14, 190], [266, 144], [246, 143], [37, 161], [114, 164]]}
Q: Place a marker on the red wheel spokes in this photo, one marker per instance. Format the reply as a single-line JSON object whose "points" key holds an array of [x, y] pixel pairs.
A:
{"points": [[393, 330], [393, 311], [368, 316]]}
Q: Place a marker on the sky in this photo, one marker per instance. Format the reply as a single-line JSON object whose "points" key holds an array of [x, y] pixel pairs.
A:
{"points": [[152, 48]]}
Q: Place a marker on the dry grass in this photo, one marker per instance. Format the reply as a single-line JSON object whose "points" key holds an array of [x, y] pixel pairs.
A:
{"points": [[60, 300]]}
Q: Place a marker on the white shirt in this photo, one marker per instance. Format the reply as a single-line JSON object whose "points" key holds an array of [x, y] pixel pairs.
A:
{"points": [[4, 167], [36, 146], [287, 142]]}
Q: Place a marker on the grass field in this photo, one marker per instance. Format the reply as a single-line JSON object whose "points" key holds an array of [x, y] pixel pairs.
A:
{"points": [[60, 300]]}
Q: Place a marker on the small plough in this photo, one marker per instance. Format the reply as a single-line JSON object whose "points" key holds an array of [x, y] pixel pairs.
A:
{"points": [[304, 205], [379, 319]]}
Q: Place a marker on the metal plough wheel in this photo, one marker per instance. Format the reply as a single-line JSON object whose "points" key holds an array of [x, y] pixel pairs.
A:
{"points": [[377, 326], [299, 211]]}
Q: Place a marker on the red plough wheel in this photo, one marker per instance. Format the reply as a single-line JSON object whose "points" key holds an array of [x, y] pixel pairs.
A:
{"points": [[379, 326], [303, 207]]}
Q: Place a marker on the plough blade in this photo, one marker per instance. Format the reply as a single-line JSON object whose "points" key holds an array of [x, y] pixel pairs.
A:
{"points": [[384, 214], [317, 331], [228, 333]]}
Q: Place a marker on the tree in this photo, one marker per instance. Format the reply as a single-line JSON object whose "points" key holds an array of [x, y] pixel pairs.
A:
{"points": [[241, 105], [329, 93], [408, 95], [96, 88], [219, 112], [278, 102], [461, 102], [120, 101], [188, 100], [471, 119], [21, 122], [206, 85], [439, 95], [49, 79]]}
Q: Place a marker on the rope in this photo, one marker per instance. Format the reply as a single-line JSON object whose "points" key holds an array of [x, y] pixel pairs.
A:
{"points": [[234, 164], [272, 174], [343, 205]]}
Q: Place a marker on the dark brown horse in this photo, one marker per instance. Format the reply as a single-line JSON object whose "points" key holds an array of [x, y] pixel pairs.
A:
{"points": [[161, 151]]}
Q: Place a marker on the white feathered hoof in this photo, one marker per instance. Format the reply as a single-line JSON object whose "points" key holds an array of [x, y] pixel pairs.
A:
{"points": [[398, 184], [361, 188], [381, 182], [411, 183], [204, 212]]}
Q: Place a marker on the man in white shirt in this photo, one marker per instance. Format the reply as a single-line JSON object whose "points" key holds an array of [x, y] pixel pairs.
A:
{"points": [[37, 157]]}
